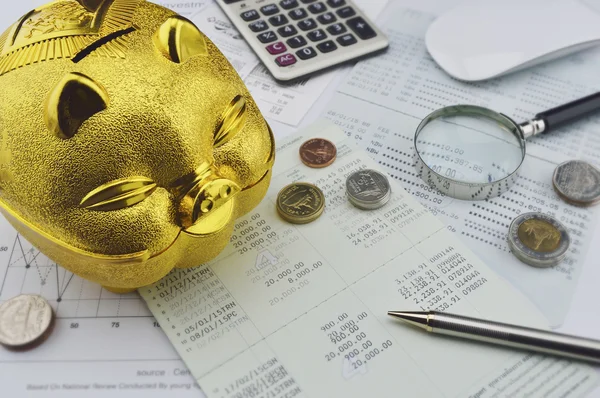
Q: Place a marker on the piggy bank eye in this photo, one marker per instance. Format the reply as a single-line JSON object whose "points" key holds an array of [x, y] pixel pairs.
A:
{"points": [[179, 40], [119, 194], [74, 100]]}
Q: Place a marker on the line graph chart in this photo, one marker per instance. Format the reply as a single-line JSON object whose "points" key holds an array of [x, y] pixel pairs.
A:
{"points": [[30, 272], [92, 324]]}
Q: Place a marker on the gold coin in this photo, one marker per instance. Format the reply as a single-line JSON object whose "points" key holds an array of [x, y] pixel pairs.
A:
{"points": [[539, 235], [318, 153], [300, 203]]}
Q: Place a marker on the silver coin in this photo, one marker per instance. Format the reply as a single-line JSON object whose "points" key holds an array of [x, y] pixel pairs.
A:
{"points": [[577, 182], [538, 240], [368, 189], [24, 320]]}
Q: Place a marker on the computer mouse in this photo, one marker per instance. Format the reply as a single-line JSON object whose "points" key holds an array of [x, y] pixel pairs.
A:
{"points": [[480, 40]]}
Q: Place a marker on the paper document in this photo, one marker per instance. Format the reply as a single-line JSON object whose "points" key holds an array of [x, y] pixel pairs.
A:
{"points": [[300, 310], [285, 103], [91, 349], [187, 8], [215, 24], [382, 101]]}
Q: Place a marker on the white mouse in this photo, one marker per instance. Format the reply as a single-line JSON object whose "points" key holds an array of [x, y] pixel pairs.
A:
{"points": [[483, 39]]}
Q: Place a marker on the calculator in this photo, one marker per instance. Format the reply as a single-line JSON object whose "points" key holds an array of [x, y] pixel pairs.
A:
{"points": [[295, 38]]}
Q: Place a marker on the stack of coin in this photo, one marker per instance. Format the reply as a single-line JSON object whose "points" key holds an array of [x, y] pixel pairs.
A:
{"points": [[577, 182], [368, 189], [318, 153], [300, 203], [538, 240], [25, 322]]}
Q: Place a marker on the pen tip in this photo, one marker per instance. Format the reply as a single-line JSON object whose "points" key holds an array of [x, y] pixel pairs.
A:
{"points": [[419, 319]]}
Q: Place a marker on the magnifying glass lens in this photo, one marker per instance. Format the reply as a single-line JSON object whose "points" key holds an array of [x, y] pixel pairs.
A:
{"points": [[470, 148]]}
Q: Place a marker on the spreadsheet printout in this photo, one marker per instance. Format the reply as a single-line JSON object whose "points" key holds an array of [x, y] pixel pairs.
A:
{"points": [[381, 102], [301, 310]]}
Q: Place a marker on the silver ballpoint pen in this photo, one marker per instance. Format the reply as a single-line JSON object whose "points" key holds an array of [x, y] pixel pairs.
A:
{"points": [[504, 334]]}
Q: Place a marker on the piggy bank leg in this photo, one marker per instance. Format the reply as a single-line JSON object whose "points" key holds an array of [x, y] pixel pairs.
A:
{"points": [[119, 290]]}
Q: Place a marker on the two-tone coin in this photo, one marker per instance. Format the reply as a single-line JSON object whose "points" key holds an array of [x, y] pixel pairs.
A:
{"points": [[368, 189], [318, 153], [300, 203], [577, 182], [25, 321], [538, 240]]}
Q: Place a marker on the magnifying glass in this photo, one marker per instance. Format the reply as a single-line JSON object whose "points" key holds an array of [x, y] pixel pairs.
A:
{"points": [[473, 153]]}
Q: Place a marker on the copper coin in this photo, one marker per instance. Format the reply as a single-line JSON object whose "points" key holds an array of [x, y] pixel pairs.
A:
{"points": [[318, 153], [25, 321]]}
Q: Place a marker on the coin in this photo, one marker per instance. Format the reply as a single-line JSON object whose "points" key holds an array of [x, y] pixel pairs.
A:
{"points": [[25, 321], [538, 240], [300, 203], [368, 189], [318, 153], [577, 182]]}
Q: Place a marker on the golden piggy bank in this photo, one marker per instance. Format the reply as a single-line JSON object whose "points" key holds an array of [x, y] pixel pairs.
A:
{"points": [[128, 143]]}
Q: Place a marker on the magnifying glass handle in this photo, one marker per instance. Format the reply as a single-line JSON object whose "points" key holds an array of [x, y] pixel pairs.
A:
{"points": [[547, 121]]}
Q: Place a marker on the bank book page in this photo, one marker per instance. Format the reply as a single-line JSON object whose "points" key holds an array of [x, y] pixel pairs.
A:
{"points": [[300, 310], [383, 99]]}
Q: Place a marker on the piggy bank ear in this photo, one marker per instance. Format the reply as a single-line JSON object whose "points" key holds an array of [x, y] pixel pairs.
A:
{"points": [[178, 40], [231, 122], [75, 99]]}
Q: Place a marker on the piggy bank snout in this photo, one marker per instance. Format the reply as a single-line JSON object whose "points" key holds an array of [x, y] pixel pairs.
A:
{"points": [[206, 198], [205, 201]]}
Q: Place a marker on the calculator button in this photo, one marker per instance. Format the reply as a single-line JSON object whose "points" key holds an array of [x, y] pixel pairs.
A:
{"points": [[326, 18], [258, 26], [337, 29], [307, 24], [317, 35], [308, 1], [327, 46], [361, 28], [296, 42], [249, 15], [278, 20], [276, 48], [317, 8], [269, 9], [298, 13], [286, 60], [336, 3], [347, 40], [346, 12], [287, 31], [306, 53], [267, 37], [288, 4]]}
